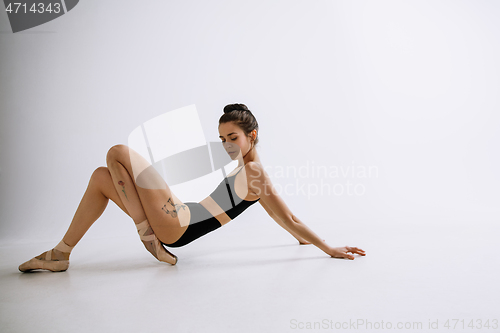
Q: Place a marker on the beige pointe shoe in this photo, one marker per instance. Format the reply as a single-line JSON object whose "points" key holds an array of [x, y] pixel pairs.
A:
{"points": [[153, 244], [52, 260]]}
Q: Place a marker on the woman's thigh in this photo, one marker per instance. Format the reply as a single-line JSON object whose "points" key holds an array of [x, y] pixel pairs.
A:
{"points": [[167, 215]]}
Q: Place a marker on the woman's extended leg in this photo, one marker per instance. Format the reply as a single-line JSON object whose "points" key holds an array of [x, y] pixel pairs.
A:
{"points": [[95, 199], [92, 205]]}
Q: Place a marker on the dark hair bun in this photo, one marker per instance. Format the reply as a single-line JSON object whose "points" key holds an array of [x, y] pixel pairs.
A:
{"points": [[244, 118], [235, 107]]}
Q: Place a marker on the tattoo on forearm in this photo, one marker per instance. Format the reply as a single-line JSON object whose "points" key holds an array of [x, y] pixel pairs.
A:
{"points": [[122, 184], [176, 207]]}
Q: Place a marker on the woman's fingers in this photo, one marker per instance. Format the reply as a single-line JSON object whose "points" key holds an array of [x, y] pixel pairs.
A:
{"points": [[352, 249], [355, 250], [342, 252]]}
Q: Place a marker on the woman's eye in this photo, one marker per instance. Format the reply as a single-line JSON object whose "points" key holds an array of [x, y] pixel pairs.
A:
{"points": [[231, 140]]}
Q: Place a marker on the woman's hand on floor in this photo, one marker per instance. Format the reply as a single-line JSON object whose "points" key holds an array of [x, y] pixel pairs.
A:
{"points": [[342, 252]]}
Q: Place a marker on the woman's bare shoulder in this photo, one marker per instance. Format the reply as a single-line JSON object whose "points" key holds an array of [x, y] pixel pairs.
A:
{"points": [[254, 165]]}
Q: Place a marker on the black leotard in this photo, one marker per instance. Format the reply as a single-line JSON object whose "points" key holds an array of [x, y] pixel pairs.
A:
{"points": [[203, 222]]}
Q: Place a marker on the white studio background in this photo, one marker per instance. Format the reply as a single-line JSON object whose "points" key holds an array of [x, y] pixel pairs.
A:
{"points": [[408, 87]]}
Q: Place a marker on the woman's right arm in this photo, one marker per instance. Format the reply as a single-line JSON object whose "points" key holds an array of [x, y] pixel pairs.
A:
{"points": [[261, 185], [280, 222]]}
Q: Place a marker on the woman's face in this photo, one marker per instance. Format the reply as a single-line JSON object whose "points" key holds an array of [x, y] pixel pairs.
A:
{"points": [[234, 140]]}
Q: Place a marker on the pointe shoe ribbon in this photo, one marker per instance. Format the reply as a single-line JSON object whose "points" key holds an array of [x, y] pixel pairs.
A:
{"points": [[153, 244], [46, 263]]}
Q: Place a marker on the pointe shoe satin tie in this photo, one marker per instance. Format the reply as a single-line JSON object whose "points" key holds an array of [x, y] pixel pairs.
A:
{"points": [[153, 245], [50, 260]]}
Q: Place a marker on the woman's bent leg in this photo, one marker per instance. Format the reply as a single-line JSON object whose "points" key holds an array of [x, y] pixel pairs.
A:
{"points": [[168, 216], [99, 190], [126, 187], [92, 206]]}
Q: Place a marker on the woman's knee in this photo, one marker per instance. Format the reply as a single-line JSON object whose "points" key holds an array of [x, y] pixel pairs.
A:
{"points": [[101, 175], [116, 152]]}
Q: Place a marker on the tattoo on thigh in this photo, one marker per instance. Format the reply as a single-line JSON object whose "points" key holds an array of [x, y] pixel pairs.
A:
{"points": [[122, 184], [176, 207]]}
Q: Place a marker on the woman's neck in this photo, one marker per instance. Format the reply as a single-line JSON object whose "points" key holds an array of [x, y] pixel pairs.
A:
{"points": [[250, 156]]}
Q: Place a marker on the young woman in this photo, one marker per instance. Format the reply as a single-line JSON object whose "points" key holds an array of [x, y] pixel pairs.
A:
{"points": [[162, 219]]}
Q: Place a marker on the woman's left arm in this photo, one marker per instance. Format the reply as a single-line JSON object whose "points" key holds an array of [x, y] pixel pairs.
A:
{"points": [[260, 183]]}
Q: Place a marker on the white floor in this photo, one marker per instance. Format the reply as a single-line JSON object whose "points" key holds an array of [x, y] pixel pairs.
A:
{"points": [[237, 280]]}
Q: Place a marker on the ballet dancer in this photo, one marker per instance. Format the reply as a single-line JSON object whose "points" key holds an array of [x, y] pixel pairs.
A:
{"points": [[164, 220]]}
